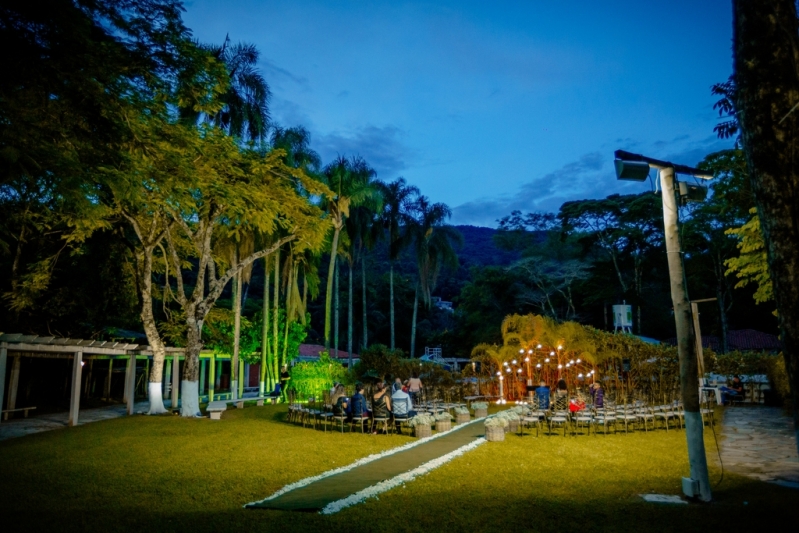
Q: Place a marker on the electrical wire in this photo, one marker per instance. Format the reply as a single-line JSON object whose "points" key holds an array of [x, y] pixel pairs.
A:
{"points": [[715, 438]]}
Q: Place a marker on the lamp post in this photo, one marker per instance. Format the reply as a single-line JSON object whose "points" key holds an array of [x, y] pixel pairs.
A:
{"points": [[636, 167]]}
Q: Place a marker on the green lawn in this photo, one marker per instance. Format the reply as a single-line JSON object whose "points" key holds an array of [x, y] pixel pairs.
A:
{"points": [[169, 474]]}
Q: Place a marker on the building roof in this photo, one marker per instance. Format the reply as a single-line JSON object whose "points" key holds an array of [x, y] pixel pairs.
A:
{"points": [[313, 350], [742, 340]]}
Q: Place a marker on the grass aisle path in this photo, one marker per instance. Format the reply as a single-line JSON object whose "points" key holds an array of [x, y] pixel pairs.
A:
{"points": [[318, 494]]}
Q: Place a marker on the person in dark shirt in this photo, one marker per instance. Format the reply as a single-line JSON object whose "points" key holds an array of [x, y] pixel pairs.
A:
{"points": [[597, 395], [284, 380], [542, 393], [735, 390], [358, 402]]}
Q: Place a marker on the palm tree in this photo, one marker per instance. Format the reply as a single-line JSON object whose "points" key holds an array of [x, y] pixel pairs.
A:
{"points": [[245, 110], [352, 183], [362, 230], [433, 243], [398, 199]]}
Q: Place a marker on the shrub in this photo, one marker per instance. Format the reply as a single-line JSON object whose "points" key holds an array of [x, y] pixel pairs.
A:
{"points": [[313, 378], [496, 421]]}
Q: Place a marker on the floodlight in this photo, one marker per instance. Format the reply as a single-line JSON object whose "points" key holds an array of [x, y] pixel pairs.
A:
{"points": [[690, 192], [631, 170]]}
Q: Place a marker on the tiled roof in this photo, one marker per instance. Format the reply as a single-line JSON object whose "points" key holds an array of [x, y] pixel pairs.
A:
{"points": [[313, 350], [742, 340]]}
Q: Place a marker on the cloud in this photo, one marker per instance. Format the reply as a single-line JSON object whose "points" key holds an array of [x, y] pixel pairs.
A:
{"points": [[276, 75], [590, 176], [382, 147]]}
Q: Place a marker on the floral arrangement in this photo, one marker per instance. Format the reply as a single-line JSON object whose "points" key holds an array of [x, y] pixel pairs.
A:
{"points": [[461, 411], [422, 419], [496, 422], [519, 409], [479, 405], [508, 415], [443, 416]]}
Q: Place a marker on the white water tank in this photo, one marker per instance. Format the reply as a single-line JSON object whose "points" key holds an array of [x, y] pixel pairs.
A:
{"points": [[623, 317]]}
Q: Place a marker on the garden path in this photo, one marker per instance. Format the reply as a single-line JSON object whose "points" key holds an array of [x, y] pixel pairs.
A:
{"points": [[36, 424], [759, 442], [350, 486]]}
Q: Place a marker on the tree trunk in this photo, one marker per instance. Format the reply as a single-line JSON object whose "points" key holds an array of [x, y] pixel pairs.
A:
{"points": [[331, 272], [766, 48], [190, 384], [335, 316], [265, 332], [413, 320], [365, 343], [349, 319], [154, 390], [391, 300], [275, 316], [234, 362]]}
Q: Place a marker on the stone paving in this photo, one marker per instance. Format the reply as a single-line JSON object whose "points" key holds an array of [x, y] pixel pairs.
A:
{"points": [[36, 424], [759, 442]]}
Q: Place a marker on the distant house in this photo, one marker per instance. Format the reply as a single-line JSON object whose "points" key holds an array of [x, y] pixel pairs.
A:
{"points": [[310, 352], [441, 304], [743, 340]]}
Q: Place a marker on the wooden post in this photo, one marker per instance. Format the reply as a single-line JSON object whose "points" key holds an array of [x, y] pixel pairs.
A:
{"points": [[74, 395], [131, 385], [128, 392], [241, 378], [211, 378], [108, 378], [175, 382], [201, 385], [3, 359], [14, 383]]}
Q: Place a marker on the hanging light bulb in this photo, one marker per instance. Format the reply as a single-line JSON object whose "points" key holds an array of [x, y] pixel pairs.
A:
{"points": [[507, 369], [579, 375], [572, 361], [499, 373], [538, 365], [521, 351], [530, 351], [560, 347], [526, 359], [539, 346], [546, 360], [578, 359], [568, 365], [514, 361], [560, 366], [519, 371], [551, 353]]}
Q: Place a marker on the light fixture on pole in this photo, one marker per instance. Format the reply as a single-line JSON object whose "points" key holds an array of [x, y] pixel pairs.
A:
{"points": [[635, 167]]}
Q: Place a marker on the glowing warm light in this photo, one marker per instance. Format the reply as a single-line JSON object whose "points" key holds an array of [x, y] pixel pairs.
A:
{"points": [[560, 366], [529, 351], [551, 353], [578, 360], [539, 346], [521, 351], [499, 373], [514, 361], [560, 347], [519, 371], [82, 363], [527, 359], [507, 370], [579, 375], [568, 365], [538, 365], [546, 360], [572, 361]]}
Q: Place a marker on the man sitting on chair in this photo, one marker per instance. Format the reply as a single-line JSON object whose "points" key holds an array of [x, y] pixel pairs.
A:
{"points": [[402, 408], [542, 395], [734, 391]]}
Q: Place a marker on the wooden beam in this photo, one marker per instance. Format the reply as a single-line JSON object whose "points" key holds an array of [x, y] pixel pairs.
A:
{"points": [[3, 359], [74, 395], [131, 385], [175, 382]]}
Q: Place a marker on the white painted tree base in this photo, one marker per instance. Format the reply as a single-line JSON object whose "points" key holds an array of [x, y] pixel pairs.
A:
{"points": [[261, 388], [156, 400], [234, 389], [190, 399]]}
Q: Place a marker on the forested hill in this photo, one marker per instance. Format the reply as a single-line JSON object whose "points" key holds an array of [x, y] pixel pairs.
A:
{"points": [[479, 248]]}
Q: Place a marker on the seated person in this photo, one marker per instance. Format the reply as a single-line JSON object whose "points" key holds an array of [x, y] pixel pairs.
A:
{"points": [[401, 403], [340, 401], [734, 391], [542, 394], [597, 395], [358, 403], [396, 386], [381, 401]]}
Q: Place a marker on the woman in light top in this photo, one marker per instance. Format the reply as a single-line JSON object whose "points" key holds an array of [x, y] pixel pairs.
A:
{"points": [[415, 387]]}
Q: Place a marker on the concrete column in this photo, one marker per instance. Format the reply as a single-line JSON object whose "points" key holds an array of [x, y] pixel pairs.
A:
{"points": [[218, 374], [13, 383], [175, 382], [167, 375], [130, 377], [3, 359], [211, 378], [74, 393], [108, 378], [203, 363]]}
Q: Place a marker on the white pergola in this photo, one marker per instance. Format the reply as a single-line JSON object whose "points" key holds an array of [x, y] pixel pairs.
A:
{"points": [[61, 348]]}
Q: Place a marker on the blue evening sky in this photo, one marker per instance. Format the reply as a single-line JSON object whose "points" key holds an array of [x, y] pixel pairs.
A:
{"points": [[490, 106]]}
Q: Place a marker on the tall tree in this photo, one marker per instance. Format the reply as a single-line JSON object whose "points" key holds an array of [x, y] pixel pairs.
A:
{"points": [[434, 246], [766, 47], [351, 183], [398, 200]]}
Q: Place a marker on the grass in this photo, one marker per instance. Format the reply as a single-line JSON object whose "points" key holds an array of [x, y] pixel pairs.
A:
{"points": [[169, 474]]}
